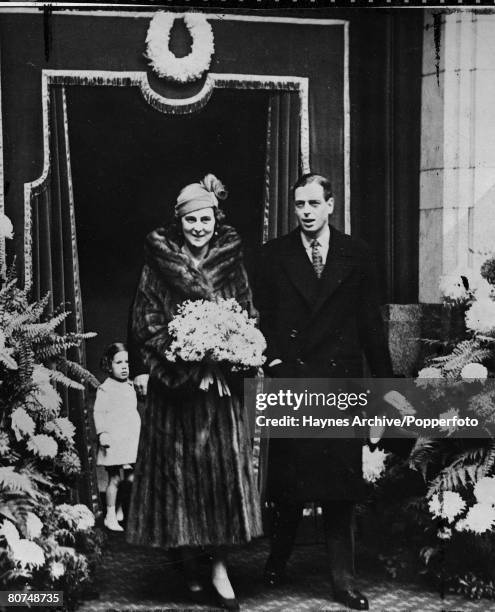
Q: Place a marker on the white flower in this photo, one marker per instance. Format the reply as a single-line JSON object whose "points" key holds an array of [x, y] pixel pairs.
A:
{"points": [[373, 464], [453, 286], [480, 518], [474, 371], [482, 288], [480, 317], [451, 413], [44, 392], [62, 428], [27, 553], [85, 518], [484, 490], [430, 373], [216, 331], [43, 445], [428, 376], [33, 526], [447, 504], [6, 227], [57, 569], [22, 424], [444, 534], [9, 531], [168, 65], [78, 516]]}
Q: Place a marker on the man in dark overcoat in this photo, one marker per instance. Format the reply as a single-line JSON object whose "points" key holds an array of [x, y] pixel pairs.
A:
{"points": [[319, 310]]}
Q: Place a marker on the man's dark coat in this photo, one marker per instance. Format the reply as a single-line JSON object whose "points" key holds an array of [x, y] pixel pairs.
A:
{"points": [[319, 329]]}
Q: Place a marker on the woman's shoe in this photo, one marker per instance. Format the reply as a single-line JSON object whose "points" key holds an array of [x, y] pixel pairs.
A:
{"points": [[224, 602]]}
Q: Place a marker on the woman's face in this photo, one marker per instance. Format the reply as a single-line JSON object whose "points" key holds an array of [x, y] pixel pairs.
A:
{"points": [[198, 227]]}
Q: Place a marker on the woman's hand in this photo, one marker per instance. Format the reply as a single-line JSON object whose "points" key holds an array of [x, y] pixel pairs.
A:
{"points": [[213, 375], [141, 384]]}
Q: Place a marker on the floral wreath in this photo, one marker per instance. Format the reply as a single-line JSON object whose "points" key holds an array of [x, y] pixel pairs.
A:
{"points": [[168, 65]]}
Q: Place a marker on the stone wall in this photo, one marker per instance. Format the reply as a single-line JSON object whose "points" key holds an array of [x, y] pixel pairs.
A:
{"points": [[457, 177]]}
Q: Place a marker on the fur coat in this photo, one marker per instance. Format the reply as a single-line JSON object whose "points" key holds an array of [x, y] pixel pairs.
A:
{"points": [[193, 483]]}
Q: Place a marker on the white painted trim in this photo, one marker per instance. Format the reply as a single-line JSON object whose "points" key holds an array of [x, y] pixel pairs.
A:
{"points": [[347, 136], [62, 9]]}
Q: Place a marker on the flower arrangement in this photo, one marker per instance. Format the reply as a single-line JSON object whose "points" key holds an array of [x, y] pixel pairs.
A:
{"points": [[216, 335], [459, 473], [168, 65], [45, 543]]}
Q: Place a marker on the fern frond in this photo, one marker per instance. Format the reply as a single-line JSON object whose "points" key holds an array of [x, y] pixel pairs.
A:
{"points": [[467, 351], [25, 361], [488, 463], [77, 371], [40, 330], [423, 454], [466, 468], [15, 508], [16, 482], [59, 377], [30, 314], [8, 361], [53, 347]]}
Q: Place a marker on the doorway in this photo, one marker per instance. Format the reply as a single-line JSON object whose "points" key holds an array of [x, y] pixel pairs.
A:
{"points": [[129, 161]]}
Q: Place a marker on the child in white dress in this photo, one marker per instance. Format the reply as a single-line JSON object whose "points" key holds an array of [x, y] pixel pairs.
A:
{"points": [[117, 424]]}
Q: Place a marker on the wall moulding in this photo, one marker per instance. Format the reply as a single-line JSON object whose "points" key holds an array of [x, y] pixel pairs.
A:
{"points": [[177, 106]]}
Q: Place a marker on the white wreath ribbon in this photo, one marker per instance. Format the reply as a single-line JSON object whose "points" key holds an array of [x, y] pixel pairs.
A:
{"points": [[168, 65]]}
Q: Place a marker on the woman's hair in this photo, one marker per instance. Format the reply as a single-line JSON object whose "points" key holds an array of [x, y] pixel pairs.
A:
{"points": [[109, 353]]}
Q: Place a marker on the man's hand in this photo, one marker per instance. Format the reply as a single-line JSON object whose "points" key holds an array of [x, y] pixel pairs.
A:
{"points": [[141, 384], [272, 369]]}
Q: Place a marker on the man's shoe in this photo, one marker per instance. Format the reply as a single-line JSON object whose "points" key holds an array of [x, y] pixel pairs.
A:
{"points": [[351, 598]]}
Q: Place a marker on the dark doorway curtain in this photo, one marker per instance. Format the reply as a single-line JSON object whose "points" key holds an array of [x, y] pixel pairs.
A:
{"points": [[56, 273], [282, 163]]}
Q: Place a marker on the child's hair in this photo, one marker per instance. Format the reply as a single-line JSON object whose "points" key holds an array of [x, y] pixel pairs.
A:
{"points": [[108, 355]]}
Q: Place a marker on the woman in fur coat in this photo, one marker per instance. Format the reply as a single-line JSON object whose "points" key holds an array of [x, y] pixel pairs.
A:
{"points": [[193, 485]]}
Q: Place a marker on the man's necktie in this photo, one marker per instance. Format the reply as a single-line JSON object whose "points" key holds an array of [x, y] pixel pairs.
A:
{"points": [[316, 257]]}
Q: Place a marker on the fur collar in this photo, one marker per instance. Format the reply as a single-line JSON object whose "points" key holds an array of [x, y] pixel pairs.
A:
{"points": [[163, 253]]}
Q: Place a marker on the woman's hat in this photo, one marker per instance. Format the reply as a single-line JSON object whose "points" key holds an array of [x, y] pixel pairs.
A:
{"points": [[200, 195]]}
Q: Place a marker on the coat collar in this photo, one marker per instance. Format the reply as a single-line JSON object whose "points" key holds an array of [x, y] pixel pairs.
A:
{"points": [[338, 266], [164, 254]]}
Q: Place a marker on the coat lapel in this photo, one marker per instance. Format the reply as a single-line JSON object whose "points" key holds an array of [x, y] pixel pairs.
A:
{"points": [[298, 268], [338, 266]]}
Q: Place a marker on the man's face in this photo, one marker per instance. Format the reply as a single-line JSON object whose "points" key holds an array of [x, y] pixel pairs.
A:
{"points": [[312, 209]]}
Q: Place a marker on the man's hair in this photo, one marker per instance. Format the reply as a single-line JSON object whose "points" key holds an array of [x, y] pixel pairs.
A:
{"points": [[309, 177]]}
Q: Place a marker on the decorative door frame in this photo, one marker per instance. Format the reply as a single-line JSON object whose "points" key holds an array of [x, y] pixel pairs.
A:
{"points": [[175, 106], [140, 79]]}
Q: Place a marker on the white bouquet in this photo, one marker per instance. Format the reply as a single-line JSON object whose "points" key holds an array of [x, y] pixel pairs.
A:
{"points": [[215, 334]]}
